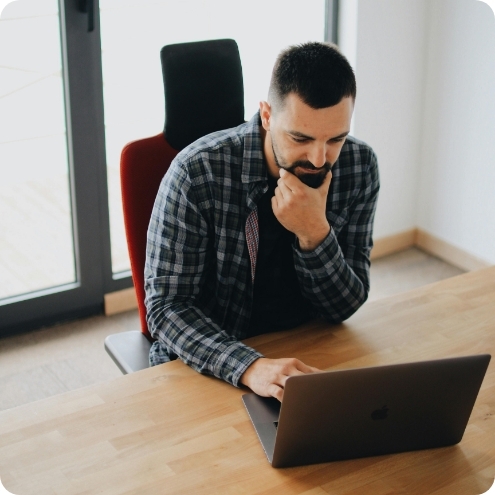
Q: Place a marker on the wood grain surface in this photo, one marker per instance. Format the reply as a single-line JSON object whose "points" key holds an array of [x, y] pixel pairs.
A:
{"points": [[168, 429]]}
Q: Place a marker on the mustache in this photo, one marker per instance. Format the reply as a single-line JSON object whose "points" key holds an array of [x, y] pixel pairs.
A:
{"points": [[307, 165]]}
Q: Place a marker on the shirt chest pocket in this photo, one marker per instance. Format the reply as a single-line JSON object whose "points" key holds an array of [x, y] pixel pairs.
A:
{"points": [[337, 219]]}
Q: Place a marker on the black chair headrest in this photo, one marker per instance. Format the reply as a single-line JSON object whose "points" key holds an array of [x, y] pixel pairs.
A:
{"points": [[204, 91]]}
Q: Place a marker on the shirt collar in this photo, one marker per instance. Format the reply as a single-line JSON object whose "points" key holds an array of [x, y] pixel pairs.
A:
{"points": [[253, 161]]}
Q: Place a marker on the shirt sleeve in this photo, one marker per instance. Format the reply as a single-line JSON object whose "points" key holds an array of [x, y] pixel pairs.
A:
{"points": [[178, 258], [335, 276]]}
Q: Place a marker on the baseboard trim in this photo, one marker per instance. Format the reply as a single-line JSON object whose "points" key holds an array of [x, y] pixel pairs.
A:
{"points": [[120, 301], [430, 244], [125, 300], [393, 243], [448, 252]]}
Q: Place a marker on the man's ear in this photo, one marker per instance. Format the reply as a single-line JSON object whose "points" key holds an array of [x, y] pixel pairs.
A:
{"points": [[265, 114]]}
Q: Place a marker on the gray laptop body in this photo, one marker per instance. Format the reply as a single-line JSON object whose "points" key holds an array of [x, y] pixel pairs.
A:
{"points": [[345, 414]]}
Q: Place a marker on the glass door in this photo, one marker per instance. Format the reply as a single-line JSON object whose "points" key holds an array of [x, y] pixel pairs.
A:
{"points": [[36, 228], [54, 242]]}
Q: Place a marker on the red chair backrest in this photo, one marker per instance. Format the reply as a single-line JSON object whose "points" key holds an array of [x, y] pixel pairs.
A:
{"points": [[143, 164], [203, 93]]}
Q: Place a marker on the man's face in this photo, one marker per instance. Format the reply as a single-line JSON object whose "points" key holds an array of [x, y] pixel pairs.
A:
{"points": [[303, 140]]}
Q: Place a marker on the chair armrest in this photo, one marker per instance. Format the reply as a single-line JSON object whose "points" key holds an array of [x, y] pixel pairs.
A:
{"points": [[129, 350]]}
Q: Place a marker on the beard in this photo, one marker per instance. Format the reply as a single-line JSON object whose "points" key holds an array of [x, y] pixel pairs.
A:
{"points": [[313, 180]]}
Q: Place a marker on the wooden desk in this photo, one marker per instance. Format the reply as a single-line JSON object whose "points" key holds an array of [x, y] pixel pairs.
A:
{"points": [[169, 430]]}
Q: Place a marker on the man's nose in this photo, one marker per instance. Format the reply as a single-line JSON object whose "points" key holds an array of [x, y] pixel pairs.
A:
{"points": [[317, 156]]}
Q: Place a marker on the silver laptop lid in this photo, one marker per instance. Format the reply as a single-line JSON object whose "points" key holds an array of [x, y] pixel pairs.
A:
{"points": [[362, 412]]}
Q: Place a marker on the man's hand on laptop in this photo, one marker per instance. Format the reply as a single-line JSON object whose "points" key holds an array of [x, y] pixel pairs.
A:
{"points": [[267, 377]]}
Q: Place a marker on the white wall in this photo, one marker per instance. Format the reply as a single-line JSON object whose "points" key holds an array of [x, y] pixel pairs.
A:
{"points": [[426, 103], [390, 75], [348, 26], [457, 176]]}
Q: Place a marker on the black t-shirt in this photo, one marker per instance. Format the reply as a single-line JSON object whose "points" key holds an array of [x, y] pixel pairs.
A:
{"points": [[278, 303]]}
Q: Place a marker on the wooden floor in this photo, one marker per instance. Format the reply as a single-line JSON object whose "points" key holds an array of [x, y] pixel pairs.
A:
{"points": [[69, 356]]}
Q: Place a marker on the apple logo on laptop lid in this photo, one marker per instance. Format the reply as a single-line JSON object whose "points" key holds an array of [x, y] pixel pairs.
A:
{"points": [[380, 413]]}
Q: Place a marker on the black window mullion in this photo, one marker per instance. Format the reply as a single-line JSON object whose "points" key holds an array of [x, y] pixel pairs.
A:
{"points": [[90, 48], [332, 21], [86, 89]]}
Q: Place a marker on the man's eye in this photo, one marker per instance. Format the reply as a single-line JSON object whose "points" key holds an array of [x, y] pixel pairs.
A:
{"points": [[299, 140]]}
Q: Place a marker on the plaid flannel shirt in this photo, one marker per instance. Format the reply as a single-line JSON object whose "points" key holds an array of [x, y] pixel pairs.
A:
{"points": [[203, 240]]}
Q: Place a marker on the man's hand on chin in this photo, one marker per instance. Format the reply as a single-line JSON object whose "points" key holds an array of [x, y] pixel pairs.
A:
{"points": [[267, 377], [302, 209]]}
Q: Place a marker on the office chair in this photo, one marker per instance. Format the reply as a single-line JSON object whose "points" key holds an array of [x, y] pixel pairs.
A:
{"points": [[203, 93]]}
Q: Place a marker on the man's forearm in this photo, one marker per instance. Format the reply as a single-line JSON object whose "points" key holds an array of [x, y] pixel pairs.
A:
{"points": [[329, 282], [187, 332]]}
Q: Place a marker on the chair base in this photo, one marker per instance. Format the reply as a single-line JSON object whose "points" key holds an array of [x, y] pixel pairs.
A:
{"points": [[129, 350]]}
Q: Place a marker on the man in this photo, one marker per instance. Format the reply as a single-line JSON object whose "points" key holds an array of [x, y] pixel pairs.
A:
{"points": [[263, 227]]}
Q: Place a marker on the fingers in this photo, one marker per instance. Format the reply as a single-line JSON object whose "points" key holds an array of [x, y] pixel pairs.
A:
{"points": [[288, 179], [304, 368], [268, 377], [326, 183], [275, 391], [283, 372], [283, 196], [283, 188], [275, 204]]}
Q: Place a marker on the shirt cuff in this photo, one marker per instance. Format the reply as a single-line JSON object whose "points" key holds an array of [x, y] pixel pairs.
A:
{"points": [[234, 360], [326, 252]]}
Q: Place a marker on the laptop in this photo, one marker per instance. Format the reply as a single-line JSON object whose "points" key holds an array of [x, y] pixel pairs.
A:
{"points": [[345, 414]]}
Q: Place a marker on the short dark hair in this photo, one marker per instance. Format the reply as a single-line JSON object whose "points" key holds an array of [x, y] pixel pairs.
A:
{"points": [[317, 72]]}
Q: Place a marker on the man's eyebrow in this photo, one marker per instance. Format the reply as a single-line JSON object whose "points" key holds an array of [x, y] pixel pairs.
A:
{"points": [[340, 136], [305, 136], [300, 134]]}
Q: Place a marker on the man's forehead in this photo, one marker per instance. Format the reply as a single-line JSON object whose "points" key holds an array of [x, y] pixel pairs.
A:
{"points": [[299, 119], [294, 99]]}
